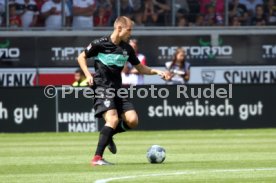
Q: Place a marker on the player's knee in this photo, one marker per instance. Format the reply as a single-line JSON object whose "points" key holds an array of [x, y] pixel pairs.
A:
{"points": [[132, 122], [112, 121]]}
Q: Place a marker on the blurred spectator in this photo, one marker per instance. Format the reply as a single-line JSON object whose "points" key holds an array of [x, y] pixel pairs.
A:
{"points": [[235, 21], [182, 22], [162, 8], [69, 4], [104, 3], [40, 18], [217, 4], [199, 20], [136, 5], [130, 76], [138, 19], [179, 68], [51, 11], [270, 9], [194, 10], [102, 17], [181, 8], [251, 5], [212, 18], [150, 16], [238, 10], [83, 11], [80, 79], [260, 18], [2, 12], [126, 9], [112, 10], [28, 12], [14, 19]]}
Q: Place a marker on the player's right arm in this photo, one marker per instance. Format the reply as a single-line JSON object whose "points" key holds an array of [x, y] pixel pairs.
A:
{"points": [[83, 66], [91, 50]]}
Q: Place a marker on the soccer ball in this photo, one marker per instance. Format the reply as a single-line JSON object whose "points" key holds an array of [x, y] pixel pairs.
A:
{"points": [[156, 154]]}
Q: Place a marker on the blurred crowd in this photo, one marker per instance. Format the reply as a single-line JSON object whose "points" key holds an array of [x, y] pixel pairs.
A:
{"points": [[86, 14]]}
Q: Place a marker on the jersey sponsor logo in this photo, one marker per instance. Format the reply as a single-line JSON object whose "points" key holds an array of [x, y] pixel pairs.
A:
{"points": [[269, 51], [7, 53], [112, 59], [107, 103]]}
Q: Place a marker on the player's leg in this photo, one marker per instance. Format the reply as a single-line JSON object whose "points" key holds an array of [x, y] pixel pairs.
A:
{"points": [[111, 122], [129, 117], [129, 121]]}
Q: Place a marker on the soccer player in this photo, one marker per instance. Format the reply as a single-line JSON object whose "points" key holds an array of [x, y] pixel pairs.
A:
{"points": [[110, 54]]}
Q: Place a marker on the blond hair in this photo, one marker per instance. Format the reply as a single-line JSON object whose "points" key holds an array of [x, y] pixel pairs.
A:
{"points": [[123, 20]]}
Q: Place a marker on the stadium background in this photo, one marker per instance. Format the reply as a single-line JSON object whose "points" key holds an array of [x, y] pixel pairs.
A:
{"points": [[242, 54], [219, 51]]}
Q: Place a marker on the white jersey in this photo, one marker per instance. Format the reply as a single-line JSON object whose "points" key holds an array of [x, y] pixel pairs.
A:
{"points": [[251, 5], [134, 79], [82, 22], [54, 21], [30, 9], [178, 72]]}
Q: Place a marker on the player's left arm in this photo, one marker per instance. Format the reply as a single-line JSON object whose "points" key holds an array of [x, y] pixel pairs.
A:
{"points": [[143, 69]]}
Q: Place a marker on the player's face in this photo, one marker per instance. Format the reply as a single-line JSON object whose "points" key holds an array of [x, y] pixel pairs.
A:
{"points": [[126, 32]]}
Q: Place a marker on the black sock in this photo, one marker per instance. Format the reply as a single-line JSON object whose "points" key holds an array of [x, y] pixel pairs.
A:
{"points": [[105, 135], [121, 127]]}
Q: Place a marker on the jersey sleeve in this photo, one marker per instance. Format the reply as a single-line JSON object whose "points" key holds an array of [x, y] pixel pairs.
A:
{"points": [[92, 49], [45, 7], [132, 57]]}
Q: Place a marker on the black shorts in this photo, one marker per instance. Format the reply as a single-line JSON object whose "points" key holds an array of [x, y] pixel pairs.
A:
{"points": [[101, 105]]}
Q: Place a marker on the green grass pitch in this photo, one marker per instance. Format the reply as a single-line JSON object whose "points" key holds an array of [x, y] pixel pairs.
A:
{"points": [[192, 156]]}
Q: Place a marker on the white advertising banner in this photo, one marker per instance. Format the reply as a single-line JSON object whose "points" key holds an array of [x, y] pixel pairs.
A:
{"points": [[233, 74]]}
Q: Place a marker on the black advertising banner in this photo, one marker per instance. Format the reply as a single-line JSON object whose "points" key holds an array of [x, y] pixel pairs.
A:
{"points": [[26, 110], [201, 50], [263, 48], [75, 112], [253, 49], [251, 106], [61, 51], [163, 108], [17, 52]]}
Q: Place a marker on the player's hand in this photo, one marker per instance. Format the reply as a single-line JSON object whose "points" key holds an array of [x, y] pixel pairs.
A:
{"points": [[165, 75], [89, 80]]}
